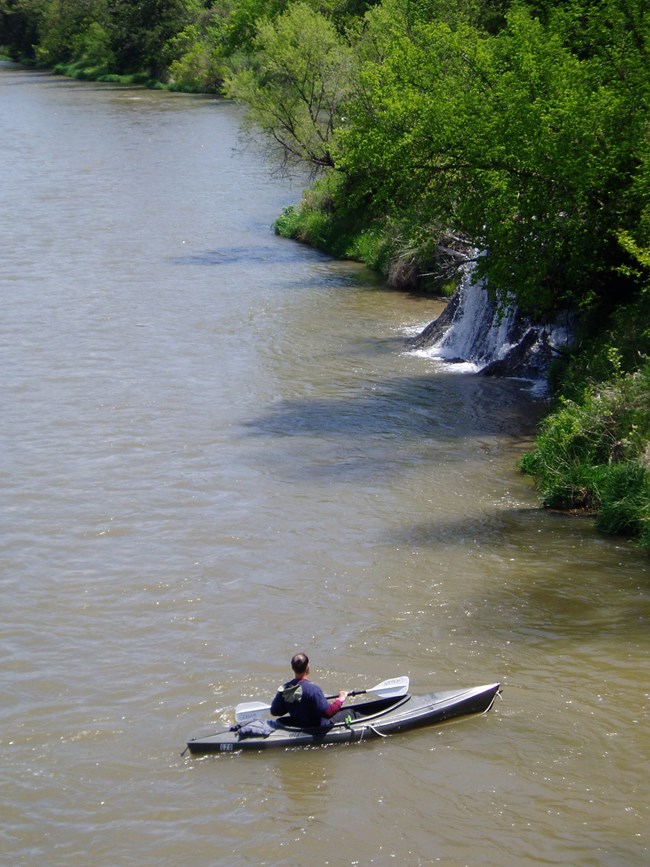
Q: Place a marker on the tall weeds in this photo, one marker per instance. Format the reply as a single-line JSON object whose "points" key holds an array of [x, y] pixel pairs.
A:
{"points": [[592, 453]]}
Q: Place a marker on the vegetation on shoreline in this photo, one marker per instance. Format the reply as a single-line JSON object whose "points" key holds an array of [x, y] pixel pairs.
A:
{"points": [[520, 127]]}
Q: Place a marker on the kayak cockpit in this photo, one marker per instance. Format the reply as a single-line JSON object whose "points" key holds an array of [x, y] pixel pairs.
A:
{"points": [[367, 710]]}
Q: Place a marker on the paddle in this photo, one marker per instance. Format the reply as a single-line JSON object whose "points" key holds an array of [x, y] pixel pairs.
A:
{"points": [[392, 688]]}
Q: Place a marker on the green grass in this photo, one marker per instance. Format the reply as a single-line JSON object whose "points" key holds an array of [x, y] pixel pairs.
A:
{"points": [[101, 73], [593, 452]]}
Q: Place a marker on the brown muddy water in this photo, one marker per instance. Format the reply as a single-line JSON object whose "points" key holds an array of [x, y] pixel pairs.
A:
{"points": [[215, 452]]}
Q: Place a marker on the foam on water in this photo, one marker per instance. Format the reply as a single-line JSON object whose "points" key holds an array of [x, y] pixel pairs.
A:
{"points": [[482, 331]]}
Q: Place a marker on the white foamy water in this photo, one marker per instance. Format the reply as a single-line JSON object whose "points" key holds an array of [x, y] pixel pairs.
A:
{"points": [[481, 332]]}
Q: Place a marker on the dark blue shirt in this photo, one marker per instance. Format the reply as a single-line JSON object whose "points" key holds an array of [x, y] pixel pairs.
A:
{"points": [[304, 701]]}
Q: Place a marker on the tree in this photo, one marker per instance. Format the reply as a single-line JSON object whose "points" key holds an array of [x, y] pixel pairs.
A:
{"points": [[514, 139], [69, 30], [200, 64], [295, 84], [140, 32], [19, 20]]}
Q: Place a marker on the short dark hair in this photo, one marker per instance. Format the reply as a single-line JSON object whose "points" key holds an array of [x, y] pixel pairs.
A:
{"points": [[299, 663]]}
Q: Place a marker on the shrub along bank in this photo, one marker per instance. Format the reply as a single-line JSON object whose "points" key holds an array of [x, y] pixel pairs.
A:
{"points": [[593, 449]]}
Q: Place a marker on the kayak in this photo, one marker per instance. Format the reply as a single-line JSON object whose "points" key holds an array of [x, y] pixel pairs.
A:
{"points": [[356, 722], [361, 721]]}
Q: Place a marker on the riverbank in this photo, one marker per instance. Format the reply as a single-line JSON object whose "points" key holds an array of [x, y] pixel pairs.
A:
{"points": [[417, 158]]}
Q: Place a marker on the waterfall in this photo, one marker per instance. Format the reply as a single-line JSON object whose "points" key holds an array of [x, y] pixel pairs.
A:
{"points": [[475, 334]]}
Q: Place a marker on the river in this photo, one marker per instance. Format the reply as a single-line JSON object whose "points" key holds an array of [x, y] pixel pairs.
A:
{"points": [[216, 452]]}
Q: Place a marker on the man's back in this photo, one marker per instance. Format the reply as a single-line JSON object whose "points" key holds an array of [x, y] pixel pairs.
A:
{"points": [[304, 701]]}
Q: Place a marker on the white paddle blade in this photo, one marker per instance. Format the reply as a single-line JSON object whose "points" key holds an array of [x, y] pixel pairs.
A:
{"points": [[251, 710], [391, 688]]}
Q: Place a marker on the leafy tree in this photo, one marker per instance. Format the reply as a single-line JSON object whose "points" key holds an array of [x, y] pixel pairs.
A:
{"points": [[242, 18], [295, 84], [200, 63], [19, 21], [71, 30], [511, 139], [141, 32], [92, 49]]}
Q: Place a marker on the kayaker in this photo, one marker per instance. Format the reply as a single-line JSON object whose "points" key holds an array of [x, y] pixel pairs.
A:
{"points": [[303, 700]]}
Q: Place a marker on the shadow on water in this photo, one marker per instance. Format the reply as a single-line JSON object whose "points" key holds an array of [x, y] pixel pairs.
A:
{"points": [[272, 255], [445, 407], [315, 270]]}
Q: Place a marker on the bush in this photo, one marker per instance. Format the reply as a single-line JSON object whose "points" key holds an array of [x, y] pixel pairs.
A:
{"points": [[569, 451], [330, 218], [625, 499], [93, 49], [195, 62], [592, 453], [322, 218]]}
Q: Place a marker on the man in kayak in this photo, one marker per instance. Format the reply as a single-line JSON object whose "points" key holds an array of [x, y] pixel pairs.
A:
{"points": [[303, 700]]}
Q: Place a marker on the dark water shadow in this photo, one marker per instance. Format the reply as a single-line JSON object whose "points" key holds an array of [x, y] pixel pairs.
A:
{"points": [[275, 254], [447, 407]]}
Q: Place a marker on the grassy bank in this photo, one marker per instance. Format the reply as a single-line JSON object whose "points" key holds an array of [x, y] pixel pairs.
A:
{"points": [[593, 449], [408, 254], [82, 72]]}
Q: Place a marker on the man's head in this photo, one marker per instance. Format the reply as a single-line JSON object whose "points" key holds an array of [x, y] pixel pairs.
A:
{"points": [[300, 663]]}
